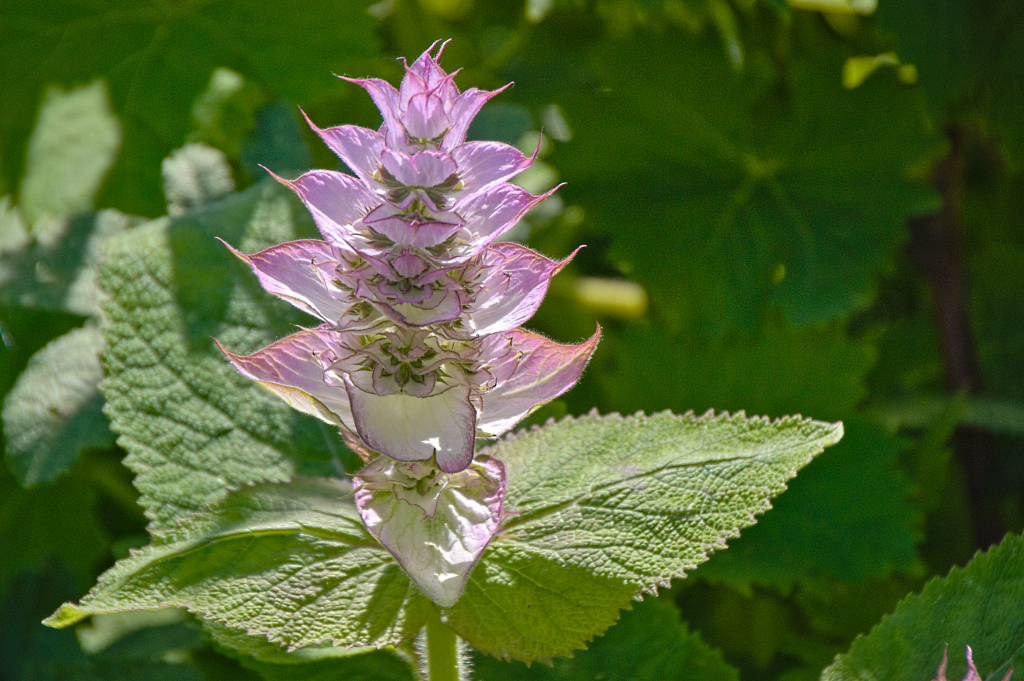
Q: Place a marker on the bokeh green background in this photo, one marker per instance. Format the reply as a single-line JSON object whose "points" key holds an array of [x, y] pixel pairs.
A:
{"points": [[787, 209]]}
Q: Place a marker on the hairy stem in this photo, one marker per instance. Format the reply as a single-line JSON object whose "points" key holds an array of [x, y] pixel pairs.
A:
{"points": [[441, 654]]}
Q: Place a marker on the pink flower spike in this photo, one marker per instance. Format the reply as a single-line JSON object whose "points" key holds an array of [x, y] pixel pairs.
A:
{"points": [[545, 370]]}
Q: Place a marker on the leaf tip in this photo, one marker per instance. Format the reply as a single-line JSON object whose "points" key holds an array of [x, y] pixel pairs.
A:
{"points": [[65, 616]]}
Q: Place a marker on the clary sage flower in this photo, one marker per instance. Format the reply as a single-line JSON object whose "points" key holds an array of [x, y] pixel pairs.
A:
{"points": [[419, 350]]}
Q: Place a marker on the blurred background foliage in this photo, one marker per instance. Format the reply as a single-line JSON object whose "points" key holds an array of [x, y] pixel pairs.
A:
{"points": [[810, 206]]}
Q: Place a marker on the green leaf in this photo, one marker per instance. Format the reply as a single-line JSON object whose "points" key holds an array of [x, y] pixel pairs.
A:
{"points": [[727, 193], [648, 644], [601, 508], [54, 410], [289, 562], [157, 59], [977, 606], [72, 147], [54, 266], [598, 510], [194, 428], [848, 515]]}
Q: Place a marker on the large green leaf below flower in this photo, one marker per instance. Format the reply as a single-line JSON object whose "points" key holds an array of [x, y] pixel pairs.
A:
{"points": [[600, 509]]}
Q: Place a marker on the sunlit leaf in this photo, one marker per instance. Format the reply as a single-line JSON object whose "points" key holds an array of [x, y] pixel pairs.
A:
{"points": [[53, 411], [290, 562], [604, 507], [194, 428], [73, 145]]}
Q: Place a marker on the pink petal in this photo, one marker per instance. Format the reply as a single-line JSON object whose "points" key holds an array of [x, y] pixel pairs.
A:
{"points": [[425, 169], [291, 369], [387, 99], [494, 211], [514, 288], [359, 148], [436, 532], [290, 271], [545, 370], [482, 164], [463, 111], [336, 200], [409, 428]]}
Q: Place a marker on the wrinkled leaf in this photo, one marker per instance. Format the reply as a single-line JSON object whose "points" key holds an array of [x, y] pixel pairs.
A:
{"points": [[53, 412], [601, 508], [194, 428], [289, 562]]}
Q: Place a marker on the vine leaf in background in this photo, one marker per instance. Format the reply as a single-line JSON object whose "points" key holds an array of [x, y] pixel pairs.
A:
{"points": [[967, 57], [790, 195]]}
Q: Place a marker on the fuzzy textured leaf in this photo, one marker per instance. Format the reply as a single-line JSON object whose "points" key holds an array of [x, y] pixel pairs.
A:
{"points": [[601, 508], [290, 562], [72, 147], [648, 644], [53, 412], [976, 606], [193, 427]]}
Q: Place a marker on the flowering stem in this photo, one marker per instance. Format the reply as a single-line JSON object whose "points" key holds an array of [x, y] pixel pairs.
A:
{"points": [[443, 661]]}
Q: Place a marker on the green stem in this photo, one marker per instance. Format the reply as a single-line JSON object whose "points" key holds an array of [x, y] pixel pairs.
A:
{"points": [[443, 661]]}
